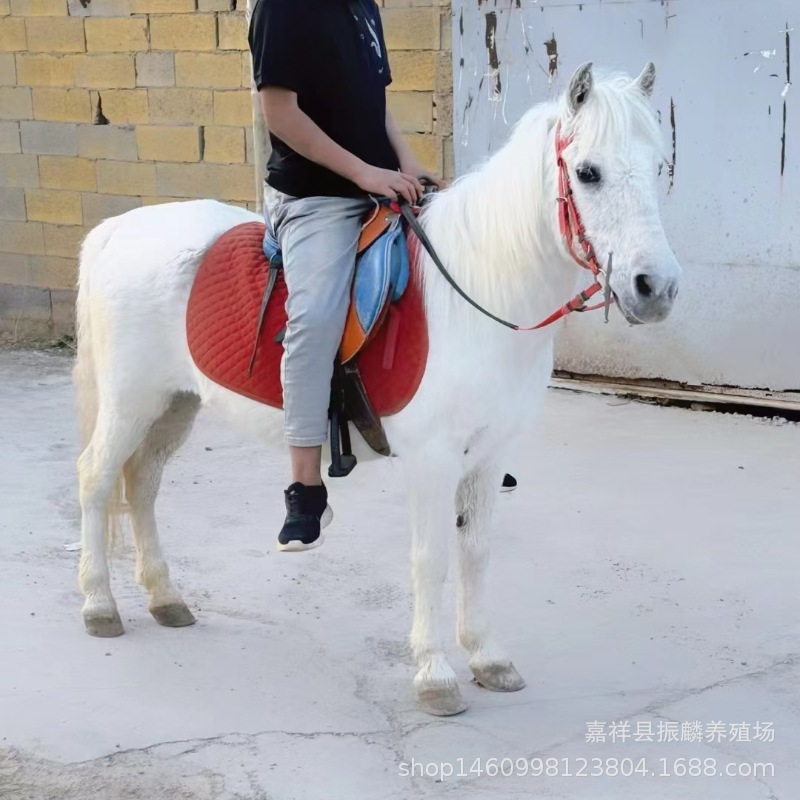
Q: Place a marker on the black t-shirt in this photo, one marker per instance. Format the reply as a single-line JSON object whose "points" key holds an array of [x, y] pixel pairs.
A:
{"points": [[332, 54]]}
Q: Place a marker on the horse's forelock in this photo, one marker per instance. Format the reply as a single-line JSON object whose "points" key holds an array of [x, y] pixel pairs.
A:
{"points": [[616, 112]]}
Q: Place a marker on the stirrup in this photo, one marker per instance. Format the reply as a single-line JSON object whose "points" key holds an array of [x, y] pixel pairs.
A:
{"points": [[343, 462]]}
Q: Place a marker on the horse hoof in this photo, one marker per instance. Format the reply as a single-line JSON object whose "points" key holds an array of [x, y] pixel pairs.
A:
{"points": [[442, 701], [105, 627], [175, 615], [499, 677]]}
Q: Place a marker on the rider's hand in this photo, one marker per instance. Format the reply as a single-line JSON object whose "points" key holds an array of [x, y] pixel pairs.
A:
{"points": [[388, 183]]}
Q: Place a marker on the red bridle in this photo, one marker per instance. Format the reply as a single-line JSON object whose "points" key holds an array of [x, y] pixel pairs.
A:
{"points": [[572, 230]]}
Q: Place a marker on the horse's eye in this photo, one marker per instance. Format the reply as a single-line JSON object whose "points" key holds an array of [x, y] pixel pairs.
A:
{"points": [[587, 173]]}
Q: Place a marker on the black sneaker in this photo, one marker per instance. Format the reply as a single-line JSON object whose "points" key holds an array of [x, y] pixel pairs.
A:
{"points": [[307, 512], [509, 483]]}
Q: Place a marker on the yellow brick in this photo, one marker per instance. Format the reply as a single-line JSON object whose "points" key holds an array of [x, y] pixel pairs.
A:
{"points": [[123, 106], [157, 201], [449, 159], [49, 205], [15, 102], [9, 140], [63, 240], [447, 31], [62, 105], [178, 32], [45, 272], [111, 35], [49, 35], [126, 177], [41, 69], [181, 106], [39, 8], [412, 111], [214, 5], [413, 71], [8, 70], [222, 181], [443, 114], [247, 70], [232, 31], [208, 70], [5, 8], [161, 143], [12, 35], [68, 172], [224, 145], [97, 207], [105, 72], [162, 6], [444, 73], [233, 108], [21, 237], [412, 28], [428, 149], [19, 170]]}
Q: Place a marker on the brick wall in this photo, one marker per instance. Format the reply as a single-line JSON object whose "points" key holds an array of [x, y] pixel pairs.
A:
{"points": [[106, 105]]}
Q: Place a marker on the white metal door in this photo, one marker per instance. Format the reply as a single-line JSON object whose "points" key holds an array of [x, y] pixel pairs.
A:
{"points": [[732, 210]]}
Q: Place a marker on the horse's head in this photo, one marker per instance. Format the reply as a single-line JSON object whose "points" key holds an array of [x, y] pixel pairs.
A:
{"points": [[614, 158]]}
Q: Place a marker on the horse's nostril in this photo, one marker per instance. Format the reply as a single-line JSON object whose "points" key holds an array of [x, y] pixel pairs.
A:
{"points": [[643, 286]]}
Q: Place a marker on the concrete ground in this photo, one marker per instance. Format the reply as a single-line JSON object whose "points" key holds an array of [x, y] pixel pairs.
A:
{"points": [[645, 572]]}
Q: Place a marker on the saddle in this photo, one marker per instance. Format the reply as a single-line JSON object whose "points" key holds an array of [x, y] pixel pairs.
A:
{"points": [[236, 320]]}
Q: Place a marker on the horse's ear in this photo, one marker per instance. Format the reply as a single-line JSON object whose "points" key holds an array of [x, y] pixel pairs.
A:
{"points": [[579, 87], [647, 79]]}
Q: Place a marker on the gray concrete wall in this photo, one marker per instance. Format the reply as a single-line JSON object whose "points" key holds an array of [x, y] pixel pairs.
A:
{"points": [[732, 124]]}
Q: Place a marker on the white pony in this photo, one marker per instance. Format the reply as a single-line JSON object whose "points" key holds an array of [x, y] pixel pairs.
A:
{"points": [[497, 230]]}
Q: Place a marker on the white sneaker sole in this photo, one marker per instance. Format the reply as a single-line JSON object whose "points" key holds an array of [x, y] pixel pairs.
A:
{"points": [[299, 547]]}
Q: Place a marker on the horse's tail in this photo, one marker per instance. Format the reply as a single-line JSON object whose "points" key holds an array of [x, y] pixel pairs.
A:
{"points": [[84, 372]]}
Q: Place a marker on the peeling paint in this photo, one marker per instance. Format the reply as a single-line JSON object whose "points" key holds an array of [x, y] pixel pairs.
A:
{"points": [[552, 55], [788, 42], [491, 49], [674, 143], [667, 15]]}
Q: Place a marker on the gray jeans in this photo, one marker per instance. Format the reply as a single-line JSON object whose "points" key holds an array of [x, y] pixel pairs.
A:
{"points": [[318, 237]]}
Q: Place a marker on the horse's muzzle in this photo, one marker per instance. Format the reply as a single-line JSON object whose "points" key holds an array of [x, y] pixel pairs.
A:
{"points": [[649, 299]]}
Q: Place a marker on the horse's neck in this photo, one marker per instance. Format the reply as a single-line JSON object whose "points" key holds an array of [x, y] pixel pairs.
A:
{"points": [[495, 232]]}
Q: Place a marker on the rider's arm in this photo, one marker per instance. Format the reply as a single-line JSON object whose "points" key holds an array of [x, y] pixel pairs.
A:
{"points": [[290, 124]]}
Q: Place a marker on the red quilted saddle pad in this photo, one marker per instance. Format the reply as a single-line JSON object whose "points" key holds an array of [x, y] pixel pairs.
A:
{"points": [[222, 317]]}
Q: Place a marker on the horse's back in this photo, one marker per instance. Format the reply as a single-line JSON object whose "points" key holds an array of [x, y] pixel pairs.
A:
{"points": [[136, 286], [150, 240]]}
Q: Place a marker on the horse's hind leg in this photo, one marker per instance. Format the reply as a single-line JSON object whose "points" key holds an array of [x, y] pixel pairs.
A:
{"points": [[489, 663], [116, 436], [143, 472]]}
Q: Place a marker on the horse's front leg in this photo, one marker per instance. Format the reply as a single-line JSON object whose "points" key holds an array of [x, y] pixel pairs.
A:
{"points": [[488, 661], [432, 489]]}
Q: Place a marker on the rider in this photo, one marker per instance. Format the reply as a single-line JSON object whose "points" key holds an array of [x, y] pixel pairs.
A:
{"points": [[321, 70]]}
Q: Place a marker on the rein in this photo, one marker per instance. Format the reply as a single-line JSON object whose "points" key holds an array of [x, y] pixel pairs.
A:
{"points": [[571, 229]]}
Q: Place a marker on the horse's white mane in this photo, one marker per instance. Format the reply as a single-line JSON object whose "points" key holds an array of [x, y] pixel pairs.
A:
{"points": [[495, 226]]}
